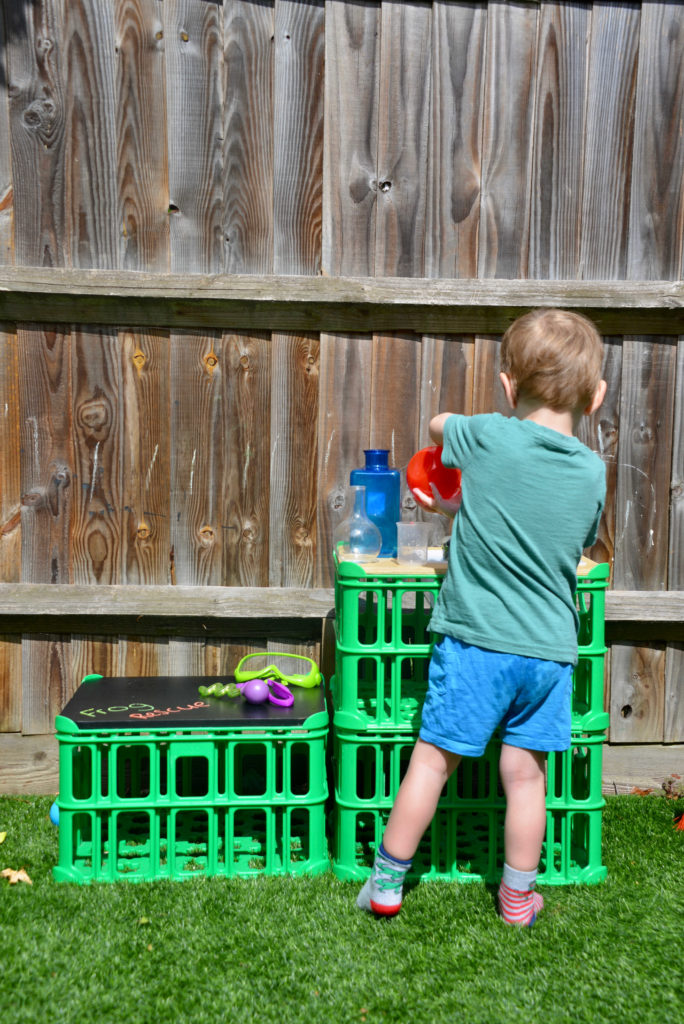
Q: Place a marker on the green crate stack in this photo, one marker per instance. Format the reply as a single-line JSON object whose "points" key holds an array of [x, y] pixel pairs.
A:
{"points": [[181, 803], [382, 656]]}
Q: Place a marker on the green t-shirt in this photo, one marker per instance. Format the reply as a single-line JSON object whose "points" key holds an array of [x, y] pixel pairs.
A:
{"points": [[532, 500]]}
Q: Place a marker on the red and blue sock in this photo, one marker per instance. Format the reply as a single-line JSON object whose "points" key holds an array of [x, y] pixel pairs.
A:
{"points": [[518, 903]]}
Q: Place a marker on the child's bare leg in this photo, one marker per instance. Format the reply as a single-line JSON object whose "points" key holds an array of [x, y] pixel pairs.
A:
{"points": [[413, 810], [523, 779], [416, 801]]}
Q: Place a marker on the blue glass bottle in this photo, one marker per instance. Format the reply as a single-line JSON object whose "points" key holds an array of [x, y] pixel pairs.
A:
{"points": [[383, 496]]}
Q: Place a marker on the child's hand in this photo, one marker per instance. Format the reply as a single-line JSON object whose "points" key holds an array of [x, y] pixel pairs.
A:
{"points": [[436, 503]]}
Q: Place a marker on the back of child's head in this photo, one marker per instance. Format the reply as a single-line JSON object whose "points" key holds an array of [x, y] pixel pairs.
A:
{"points": [[554, 357]]}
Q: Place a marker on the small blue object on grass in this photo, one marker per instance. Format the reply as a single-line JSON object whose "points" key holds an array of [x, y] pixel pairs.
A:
{"points": [[54, 814]]}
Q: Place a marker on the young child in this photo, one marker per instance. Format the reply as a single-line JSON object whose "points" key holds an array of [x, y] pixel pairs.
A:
{"points": [[532, 497]]}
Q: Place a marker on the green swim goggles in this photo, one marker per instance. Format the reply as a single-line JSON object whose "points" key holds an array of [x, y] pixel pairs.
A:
{"points": [[306, 679]]}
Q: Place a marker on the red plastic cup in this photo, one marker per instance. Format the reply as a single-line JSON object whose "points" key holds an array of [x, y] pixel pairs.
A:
{"points": [[425, 468]]}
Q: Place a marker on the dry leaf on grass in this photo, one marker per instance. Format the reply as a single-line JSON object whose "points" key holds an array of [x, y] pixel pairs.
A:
{"points": [[15, 876], [3, 837]]}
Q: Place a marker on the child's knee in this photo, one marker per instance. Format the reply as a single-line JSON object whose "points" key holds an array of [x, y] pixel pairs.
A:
{"points": [[518, 766]]}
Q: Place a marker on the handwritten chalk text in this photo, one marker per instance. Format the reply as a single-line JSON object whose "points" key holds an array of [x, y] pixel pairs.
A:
{"points": [[92, 712], [157, 712]]}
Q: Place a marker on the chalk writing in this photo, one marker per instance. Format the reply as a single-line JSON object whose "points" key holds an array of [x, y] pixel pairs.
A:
{"points": [[92, 712], [157, 712]]}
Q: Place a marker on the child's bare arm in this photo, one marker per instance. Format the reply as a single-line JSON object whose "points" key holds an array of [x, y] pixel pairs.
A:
{"points": [[436, 427]]}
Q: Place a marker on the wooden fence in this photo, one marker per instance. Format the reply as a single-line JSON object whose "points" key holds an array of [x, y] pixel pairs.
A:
{"points": [[241, 241]]}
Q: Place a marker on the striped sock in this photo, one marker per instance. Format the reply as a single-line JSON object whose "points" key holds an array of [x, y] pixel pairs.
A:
{"points": [[518, 903], [382, 892]]}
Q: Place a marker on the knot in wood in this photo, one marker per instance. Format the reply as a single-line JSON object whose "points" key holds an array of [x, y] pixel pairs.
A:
{"points": [[337, 500], [207, 535], [249, 534], [143, 531], [39, 116], [34, 499], [184, 36], [62, 476], [301, 536], [244, 362], [643, 434], [95, 416], [139, 359], [211, 362]]}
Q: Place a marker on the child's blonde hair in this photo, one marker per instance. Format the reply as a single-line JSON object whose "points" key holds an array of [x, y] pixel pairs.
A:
{"points": [[553, 356]]}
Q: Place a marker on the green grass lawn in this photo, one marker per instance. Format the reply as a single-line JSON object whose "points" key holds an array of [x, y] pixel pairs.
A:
{"points": [[291, 950]]}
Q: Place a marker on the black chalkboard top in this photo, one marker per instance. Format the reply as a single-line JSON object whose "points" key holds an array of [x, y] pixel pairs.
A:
{"points": [[171, 702]]}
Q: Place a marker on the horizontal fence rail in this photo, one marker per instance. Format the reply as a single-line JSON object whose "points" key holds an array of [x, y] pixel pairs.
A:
{"points": [[22, 600], [290, 303]]}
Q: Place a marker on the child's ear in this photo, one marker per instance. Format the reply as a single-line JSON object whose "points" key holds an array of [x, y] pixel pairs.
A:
{"points": [[509, 389], [597, 400]]}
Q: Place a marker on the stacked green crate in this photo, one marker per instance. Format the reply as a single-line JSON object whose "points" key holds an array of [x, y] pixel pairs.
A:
{"points": [[164, 802], [383, 650]]}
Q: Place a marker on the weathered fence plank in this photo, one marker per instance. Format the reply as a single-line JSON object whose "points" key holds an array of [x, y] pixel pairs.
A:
{"points": [[488, 394], [146, 459], [142, 150], [49, 485], [455, 140], [10, 468], [641, 542], [446, 385], [558, 140], [247, 488], [194, 104], [656, 211], [92, 233], [637, 693], [404, 108], [645, 459], [294, 414], [197, 453], [37, 130], [145, 445], [613, 58], [506, 142], [248, 137], [351, 138], [298, 136], [674, 666]]}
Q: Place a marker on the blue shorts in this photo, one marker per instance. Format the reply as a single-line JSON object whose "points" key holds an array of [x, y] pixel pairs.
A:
{"points": [[473, 691]]}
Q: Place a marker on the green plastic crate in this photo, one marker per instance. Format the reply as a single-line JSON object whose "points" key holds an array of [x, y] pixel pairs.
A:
{"points": [[466, 845], [146, 844], [384, 612], [180, 803], [384, 645], [465, 840], [368, 769]]}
